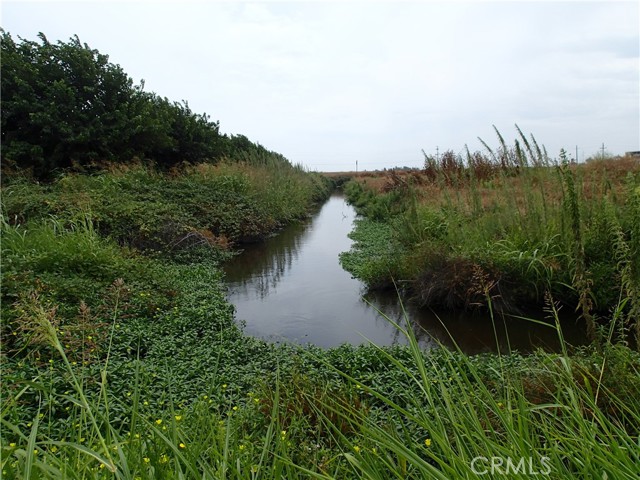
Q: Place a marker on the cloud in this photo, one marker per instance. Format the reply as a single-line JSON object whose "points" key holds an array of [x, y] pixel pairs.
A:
{"points": [[329, 83]]}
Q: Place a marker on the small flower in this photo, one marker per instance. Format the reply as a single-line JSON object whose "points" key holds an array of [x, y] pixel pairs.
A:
{"points": [[12, 444], [145, 403], [374, 450], [182, 445], [101, 465], [54, 449], [500, 405], [146, 460], [224, 385], [242, 447], [178, 418], [164, 458], [159, 421], [235, 408], [357, 448], [427, 442]]}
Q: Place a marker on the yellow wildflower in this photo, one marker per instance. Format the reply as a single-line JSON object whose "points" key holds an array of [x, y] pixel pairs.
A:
{"points": [[427, 442]]}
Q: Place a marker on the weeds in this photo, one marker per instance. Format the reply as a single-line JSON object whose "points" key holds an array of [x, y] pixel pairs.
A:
{"points": [[119, 365], [512, 217]]}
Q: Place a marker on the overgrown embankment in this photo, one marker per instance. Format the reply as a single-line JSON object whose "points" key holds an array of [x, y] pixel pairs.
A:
{"points": [[138, 206], [120, 355], [516, 231]]}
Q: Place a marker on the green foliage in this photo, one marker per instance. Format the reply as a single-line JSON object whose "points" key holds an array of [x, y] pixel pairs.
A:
{"points": [[378, 207], [152, 378], [206, 207], [374, 255], [64, 105], [347, 412]]}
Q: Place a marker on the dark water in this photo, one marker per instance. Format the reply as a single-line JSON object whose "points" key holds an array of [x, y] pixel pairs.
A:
{"points": [[292, 288]]}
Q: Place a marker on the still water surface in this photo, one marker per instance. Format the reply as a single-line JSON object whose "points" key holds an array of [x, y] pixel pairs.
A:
{"points": [[292, 288]]}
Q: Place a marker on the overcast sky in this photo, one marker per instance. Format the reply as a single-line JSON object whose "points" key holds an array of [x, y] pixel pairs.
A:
{"points": [[329, 83]]}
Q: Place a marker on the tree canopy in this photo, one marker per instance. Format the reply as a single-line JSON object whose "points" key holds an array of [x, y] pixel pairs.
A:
{"points": [[65, 105]]}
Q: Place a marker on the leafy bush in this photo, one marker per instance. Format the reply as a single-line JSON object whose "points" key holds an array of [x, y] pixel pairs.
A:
{"points": [[64, 106]]}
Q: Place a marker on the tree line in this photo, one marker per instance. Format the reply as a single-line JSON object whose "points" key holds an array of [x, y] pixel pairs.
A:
{"points": [[66, 106]]}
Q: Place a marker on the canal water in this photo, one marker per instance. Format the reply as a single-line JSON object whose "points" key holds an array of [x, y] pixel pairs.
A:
{"points": [[291, 288]]}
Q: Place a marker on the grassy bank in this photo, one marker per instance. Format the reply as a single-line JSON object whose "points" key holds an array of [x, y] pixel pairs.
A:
{"points": [[141, 207], [121, 357], [517, 230]]}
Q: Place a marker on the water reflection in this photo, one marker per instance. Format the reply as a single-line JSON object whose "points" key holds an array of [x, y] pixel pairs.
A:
{"points": [[292, 288], [474, 332], [260, 267]]}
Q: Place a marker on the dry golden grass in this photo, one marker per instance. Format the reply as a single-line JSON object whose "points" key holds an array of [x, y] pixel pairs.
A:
{"points": [[598, 178]]}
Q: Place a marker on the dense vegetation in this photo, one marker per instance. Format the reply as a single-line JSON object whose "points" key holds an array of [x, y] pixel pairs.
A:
{"points": [[64, 105], [117, 363], [121, 357], [512, 229]]}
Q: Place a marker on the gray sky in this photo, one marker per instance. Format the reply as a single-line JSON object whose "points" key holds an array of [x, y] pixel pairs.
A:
{"points": [[329, 83]]}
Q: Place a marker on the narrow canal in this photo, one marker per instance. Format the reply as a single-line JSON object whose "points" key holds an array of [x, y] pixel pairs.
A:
{"points": [[292, 288]]}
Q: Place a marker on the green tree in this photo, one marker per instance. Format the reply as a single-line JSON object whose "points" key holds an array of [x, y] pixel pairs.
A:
{"points": [[62, 104], [65, 105]]}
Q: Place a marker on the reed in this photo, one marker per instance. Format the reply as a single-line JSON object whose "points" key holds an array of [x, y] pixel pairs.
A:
{"points": [[534, 225]]}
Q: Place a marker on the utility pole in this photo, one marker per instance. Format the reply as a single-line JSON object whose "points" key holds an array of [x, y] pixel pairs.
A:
{"points": [[603, 150], [356, 166], [576, 153], [437, 154]]}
